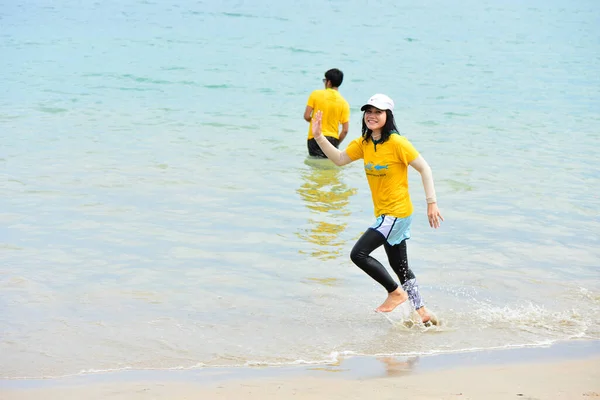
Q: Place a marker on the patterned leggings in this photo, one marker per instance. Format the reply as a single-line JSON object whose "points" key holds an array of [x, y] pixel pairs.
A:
{"points": [[397, 258]]}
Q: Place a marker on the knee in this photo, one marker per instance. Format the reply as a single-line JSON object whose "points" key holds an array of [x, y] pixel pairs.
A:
{"points": [[356, 255]]}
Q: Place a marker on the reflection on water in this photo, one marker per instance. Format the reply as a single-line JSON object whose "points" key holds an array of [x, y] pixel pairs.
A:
{"points": [[326, 196], [395, 366], [325, 281], [371, 367]]}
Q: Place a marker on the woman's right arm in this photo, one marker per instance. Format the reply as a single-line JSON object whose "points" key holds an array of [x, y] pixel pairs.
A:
{"points": [[338, 156]]}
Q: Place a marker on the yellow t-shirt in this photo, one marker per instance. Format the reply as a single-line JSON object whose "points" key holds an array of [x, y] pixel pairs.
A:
{"points": [[336, 111], [386, 166]]}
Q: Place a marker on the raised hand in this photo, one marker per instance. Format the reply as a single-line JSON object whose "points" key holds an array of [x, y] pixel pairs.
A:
{"points": [[316, 124]]}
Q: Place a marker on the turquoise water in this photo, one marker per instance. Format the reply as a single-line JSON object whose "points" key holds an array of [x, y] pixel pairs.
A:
{"points": [[159, 211]]}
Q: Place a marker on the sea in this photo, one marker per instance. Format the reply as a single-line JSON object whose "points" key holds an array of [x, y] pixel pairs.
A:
{"points": [[158, 210]]}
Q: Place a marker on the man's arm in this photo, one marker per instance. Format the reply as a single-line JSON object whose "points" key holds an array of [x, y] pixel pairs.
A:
{"points": [[308, 113], [344, 131]]}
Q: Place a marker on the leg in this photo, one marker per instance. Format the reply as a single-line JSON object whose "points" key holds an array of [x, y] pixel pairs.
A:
{"points": [[368, 242], [398, 259]]}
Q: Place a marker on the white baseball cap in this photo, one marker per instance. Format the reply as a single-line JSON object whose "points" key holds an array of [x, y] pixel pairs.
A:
{"points": [[380, 101]]}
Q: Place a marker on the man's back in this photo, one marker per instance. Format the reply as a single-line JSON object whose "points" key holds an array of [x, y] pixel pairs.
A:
{"points": [[335, 108]]}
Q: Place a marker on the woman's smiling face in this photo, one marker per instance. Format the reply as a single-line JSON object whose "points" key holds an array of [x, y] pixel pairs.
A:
{"points": [[375, 118]]}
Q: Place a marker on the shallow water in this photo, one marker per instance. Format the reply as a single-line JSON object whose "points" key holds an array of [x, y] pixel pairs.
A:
{"points": [[159, 210]]}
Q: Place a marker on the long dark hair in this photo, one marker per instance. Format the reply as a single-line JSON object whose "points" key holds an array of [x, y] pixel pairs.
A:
{"points": [[386, 131]]}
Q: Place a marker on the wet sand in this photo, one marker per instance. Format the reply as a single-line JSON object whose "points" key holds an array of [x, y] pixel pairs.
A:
{"points": [[569, 370]]}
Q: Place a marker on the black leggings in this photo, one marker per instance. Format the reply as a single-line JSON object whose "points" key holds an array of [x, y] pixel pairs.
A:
{"points": [[396, 254]]}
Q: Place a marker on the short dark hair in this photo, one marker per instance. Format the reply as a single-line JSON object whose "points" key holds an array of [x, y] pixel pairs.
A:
{"points": [[335, 76], [388, 129]]}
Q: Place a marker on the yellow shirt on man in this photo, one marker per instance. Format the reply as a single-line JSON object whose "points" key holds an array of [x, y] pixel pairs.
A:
{"points": [[336, 111], [386, 167]]}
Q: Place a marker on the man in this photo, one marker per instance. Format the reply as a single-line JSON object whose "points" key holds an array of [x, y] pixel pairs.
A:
{"points": [[336, 112]]}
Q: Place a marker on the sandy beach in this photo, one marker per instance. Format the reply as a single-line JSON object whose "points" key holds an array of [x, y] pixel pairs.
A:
{"points": [[540, 374], [558, 380]]}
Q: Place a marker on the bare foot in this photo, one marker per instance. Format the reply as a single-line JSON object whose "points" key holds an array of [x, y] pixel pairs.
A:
{"points": [[393, 300], [426, 317]]}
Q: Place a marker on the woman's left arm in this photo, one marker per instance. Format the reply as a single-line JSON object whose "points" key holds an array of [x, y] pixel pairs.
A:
{"points": [[433, 213]]}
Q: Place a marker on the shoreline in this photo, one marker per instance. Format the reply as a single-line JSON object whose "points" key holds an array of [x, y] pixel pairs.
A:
{"points": [[575, 358]]}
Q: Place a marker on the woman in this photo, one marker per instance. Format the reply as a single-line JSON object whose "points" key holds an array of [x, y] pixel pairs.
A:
{"points": [[386, 156]]}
